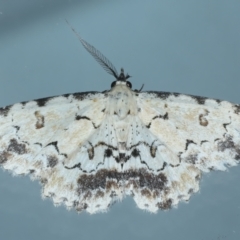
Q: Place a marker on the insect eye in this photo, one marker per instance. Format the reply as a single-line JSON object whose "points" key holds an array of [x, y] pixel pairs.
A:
{"points": [[113, 84], [129, 84]]}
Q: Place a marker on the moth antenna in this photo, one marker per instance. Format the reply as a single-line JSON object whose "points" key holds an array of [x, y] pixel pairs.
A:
{"points": [[141, 88], [101, 59]]}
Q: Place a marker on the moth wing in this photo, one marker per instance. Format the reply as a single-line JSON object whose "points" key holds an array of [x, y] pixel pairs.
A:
{"points": [[42, 137], [194, 134], [201, 131]]}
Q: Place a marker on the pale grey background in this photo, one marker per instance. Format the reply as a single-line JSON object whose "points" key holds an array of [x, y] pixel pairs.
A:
{"points": [[187, 46]]}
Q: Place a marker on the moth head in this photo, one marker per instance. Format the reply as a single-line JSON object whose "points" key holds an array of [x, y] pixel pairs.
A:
{"points": [[122, 80]]}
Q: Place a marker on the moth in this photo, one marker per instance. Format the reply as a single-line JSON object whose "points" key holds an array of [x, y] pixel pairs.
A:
{"points": [[90, 149]]}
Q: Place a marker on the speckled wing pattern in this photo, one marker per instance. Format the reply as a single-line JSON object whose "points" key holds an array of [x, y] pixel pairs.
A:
{"points": [[91, 149]]}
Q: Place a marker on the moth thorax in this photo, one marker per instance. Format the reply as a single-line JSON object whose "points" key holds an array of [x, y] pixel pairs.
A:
{"points": [[122, 102]]}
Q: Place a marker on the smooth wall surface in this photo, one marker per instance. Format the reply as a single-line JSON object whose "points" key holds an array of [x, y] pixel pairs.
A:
{"points": [[169, 45]]}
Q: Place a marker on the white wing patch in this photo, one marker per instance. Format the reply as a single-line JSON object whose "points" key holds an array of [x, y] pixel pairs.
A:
{"points": [[91, 149]]}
